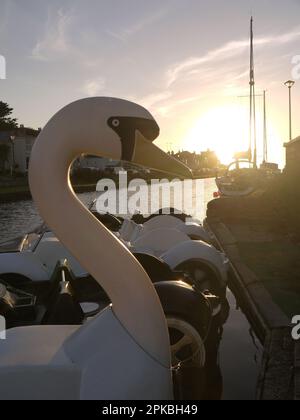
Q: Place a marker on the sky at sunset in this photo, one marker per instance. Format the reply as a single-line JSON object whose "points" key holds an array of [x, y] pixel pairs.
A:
{"points": [[187, 61]]}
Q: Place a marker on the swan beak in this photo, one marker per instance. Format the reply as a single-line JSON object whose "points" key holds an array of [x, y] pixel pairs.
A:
{"points": [[148, 155]]}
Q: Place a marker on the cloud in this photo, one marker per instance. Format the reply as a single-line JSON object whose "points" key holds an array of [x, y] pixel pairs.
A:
{"points": [[147, 21], [226, 51], [54, 41], [94, 87], [164, 102], [166, 109], [118, 36], [138, 26], [155, 98]]}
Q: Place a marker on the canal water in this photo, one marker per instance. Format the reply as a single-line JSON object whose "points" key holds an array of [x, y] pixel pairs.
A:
{"points": [[235, 358]]}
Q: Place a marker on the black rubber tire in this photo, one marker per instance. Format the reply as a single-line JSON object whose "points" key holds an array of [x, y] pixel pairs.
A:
{"points": [[210, 280]]}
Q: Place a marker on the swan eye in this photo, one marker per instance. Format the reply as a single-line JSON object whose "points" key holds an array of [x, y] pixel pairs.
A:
{"points": [[115, 123]]}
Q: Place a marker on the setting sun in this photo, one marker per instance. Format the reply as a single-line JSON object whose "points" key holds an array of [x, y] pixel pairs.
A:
{"points": [[222, 129], [225, 130]]}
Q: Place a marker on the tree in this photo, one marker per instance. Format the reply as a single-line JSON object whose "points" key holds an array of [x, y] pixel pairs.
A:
{"points": [[209, 160], [4, 151], [6, 122]]}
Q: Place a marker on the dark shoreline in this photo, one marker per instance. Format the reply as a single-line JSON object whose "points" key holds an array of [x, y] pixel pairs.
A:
{"points": [[25, 194]]}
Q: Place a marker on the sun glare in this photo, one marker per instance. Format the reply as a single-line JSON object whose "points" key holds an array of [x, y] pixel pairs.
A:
{"points": [[224, 130]]}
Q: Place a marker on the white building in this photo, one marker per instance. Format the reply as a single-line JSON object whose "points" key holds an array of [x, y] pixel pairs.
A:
{"points": [[19, 142]]}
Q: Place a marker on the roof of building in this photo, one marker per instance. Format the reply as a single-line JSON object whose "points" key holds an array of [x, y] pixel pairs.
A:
{"points": [[18, 132], [297, 139]]}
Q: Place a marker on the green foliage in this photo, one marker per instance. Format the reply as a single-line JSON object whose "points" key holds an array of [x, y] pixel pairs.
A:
{"points": [[6, 122]]}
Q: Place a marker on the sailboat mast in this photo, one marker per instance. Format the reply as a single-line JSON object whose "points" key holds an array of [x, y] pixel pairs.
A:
{"points": [[251, 81], [252, 130], [265, 130]]}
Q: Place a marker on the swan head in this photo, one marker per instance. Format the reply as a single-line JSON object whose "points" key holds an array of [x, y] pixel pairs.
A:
{"points": [[132, 130], [137, 132]]}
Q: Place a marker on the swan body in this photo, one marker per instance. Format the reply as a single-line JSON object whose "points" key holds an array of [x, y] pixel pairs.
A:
{"points": [[71, 362]]}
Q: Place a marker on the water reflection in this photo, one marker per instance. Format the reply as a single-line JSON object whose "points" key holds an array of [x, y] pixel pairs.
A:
{"points": [[233, 357], [240, 355], [22, 217]]}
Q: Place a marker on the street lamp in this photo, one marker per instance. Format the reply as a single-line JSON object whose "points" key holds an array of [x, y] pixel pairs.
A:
{"points": [[289, 84], [12, 139]]}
